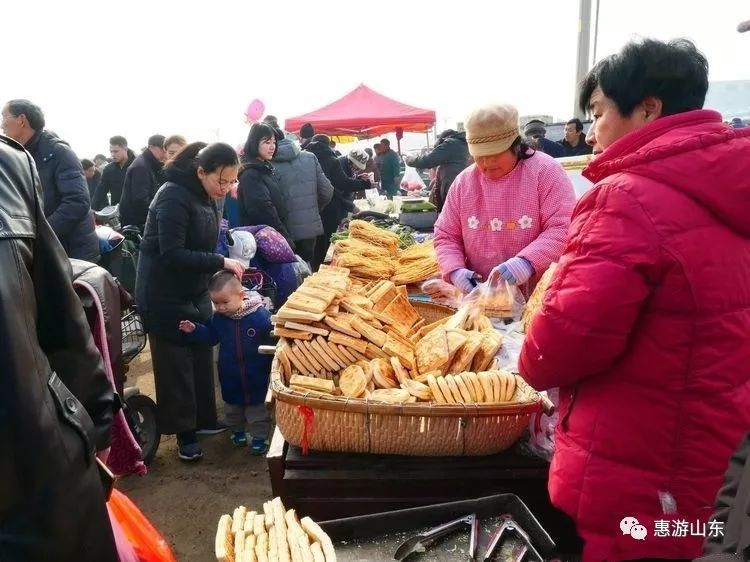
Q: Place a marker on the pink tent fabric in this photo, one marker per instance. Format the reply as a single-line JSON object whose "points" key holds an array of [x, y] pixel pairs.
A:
{"points": [[364, 113]]}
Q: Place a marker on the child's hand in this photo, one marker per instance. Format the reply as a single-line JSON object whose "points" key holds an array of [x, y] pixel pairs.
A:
{"points": [[187, 326]]}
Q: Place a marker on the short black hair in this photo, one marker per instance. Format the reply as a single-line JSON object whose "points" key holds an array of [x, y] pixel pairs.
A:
{"points": [[210, 157], [577, 122], [385, 142], [119, 141], [221, 280], [33, 112], [87, 164], [321, 138], [156, 140], [676, 72], [258, 132], [100, 157], [272, 120]]}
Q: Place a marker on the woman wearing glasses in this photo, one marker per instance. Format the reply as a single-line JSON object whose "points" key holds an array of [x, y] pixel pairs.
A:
{"points": [[177, 259]]}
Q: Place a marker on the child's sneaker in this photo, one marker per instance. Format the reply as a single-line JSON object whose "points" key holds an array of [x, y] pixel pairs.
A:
{"points": [[239, 438], [259, 446]]}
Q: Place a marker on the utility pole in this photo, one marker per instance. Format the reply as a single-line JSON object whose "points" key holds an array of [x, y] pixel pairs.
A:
{"points": [[582, 54]]}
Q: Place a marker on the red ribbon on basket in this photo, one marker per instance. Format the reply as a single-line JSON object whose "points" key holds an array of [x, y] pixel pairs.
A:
{"points": [[307, 426]]}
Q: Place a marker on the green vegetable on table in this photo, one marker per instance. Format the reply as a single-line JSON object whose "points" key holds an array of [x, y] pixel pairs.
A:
{"points": [[417, 207]]}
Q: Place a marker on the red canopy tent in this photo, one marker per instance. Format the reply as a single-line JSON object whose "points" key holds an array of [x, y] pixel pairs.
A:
{"points": [[365, 113]]}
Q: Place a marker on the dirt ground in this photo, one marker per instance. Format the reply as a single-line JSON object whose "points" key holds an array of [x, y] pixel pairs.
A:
{"points": [[184, 501]]}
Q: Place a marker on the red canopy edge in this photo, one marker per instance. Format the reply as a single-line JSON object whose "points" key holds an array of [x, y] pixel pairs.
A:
{"points": [[365, 113]]}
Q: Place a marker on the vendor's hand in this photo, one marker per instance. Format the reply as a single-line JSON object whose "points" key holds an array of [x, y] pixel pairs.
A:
{"points": [[187, 326], [235, 267], [409, 160], [463, 279], [516, 271]]}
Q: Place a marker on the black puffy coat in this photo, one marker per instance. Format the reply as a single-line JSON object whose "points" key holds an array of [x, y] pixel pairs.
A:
{"points": [[56, 404], [732, 512], [177, 256], [450, 157], [67, 204], [261, 200], [142, 178], [343, 185]]}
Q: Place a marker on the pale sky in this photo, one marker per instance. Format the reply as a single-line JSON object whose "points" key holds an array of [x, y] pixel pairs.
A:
{"points": [[137, 67]]}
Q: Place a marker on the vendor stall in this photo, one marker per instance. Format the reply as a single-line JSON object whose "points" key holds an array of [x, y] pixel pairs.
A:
{"points": [[383, 402], [365, 113]]}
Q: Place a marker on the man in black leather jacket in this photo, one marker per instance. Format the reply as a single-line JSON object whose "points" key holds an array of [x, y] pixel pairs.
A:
{"points": [[56, 404]]}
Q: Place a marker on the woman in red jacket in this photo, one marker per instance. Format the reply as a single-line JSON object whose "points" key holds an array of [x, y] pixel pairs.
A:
{"points": [[646, 326]]}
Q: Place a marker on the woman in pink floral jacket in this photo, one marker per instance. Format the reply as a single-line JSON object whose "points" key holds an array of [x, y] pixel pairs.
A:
{"points": [[507, 215]]}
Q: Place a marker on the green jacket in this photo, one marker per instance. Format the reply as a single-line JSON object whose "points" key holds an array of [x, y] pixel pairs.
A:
{"points": [[390, 171]]}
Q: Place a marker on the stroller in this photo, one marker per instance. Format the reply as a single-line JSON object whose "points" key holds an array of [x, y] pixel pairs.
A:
{"points": [[119, 339], [254, 279]]}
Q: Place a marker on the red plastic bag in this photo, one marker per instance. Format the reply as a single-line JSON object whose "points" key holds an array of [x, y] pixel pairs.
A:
{"points": [[148, 544], [412, 181]]}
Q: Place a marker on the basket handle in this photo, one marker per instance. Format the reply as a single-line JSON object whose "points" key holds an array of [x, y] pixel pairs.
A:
{"points": [[269, 401], [548, 407], [266, 349]]}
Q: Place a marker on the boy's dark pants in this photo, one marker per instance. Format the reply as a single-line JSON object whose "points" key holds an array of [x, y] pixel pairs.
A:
{"points": [[185, 392]]}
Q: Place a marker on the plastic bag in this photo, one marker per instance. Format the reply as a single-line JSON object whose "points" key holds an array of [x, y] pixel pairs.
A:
{"points": [[148, 544], [301, 270], [411, 180], [125, 550], [442, 293], [542, 429], [500, 298]]}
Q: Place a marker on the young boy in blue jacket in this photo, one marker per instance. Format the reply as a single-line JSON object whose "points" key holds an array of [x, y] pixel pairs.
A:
{"points": [[240, 324]]}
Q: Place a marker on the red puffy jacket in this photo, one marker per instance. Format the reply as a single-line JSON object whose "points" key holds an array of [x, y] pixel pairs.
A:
{"points": [[646, 329]]}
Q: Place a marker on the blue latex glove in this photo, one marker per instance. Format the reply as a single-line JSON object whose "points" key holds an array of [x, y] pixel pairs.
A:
{"points": [[515, 271], [464, 280]]}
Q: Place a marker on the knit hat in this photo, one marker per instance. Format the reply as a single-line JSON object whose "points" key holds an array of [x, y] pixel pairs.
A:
{"points": [[307, 131], [535, 127], [243, 247], [491, 129], [358, 158]]}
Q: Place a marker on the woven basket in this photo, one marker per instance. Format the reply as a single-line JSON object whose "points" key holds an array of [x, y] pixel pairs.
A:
{"points": [[428, 429]]}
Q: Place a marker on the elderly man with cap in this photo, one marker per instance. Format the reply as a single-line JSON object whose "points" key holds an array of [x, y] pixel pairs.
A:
{"points": [[507, 215], [536, 135]]}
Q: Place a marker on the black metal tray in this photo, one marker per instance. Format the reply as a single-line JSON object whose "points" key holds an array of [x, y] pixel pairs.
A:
{"points": [[376, 537]]}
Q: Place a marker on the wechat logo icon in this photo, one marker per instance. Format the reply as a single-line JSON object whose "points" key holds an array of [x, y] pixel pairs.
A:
{"points": [[631, 526]]}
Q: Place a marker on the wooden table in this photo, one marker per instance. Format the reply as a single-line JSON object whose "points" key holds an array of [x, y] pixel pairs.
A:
{"points": [[334, 485]]}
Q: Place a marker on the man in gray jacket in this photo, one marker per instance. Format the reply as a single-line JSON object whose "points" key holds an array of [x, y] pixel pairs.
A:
{"points": [[307, 191]]}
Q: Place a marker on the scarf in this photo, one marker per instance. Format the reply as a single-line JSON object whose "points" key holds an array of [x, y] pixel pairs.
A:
{"points": [[251, 303]]}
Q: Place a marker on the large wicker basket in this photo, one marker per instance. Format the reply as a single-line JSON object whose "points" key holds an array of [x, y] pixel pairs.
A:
{"points": [[361, 426]]}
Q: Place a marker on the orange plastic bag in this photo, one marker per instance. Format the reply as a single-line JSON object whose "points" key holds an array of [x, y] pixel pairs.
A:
{"points": [[148, 543]]}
